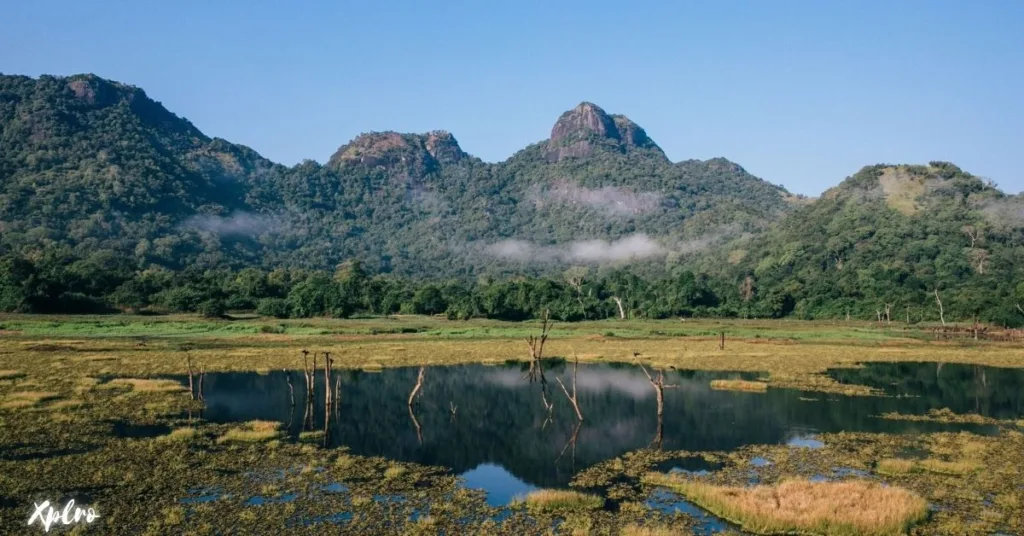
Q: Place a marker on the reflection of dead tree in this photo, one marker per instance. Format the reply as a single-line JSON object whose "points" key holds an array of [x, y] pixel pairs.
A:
{"points": [[453, 408], [291, 387], [202, 376], [337, 393], [327, 400], [537, 351], [572, 442], [416, 425], [416, 388], [549, 407], [942, 316], [572, 399]]}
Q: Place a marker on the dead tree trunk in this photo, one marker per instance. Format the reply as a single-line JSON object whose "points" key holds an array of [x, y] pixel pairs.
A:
{"points": [[416, 388], [1019, 309], [888, 314], [659, 386], [536, 345], [942, 316], [622, 312], [191, 390], [721, 341], [327, 381], [572, 399]]}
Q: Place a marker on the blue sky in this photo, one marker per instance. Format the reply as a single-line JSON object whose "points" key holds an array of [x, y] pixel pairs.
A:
{"points": [[799, 93]]}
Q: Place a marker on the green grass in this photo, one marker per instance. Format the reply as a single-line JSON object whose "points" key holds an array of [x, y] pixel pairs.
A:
{"points": [[177, 326]]}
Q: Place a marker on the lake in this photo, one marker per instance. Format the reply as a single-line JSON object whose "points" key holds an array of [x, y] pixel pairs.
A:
{"points": [[501, 438]]}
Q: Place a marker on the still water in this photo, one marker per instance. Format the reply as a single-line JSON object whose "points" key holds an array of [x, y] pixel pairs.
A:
{"points": [[501, 438]]}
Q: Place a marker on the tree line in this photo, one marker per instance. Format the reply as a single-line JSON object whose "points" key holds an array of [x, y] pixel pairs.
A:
{"points": [[105, 283]]}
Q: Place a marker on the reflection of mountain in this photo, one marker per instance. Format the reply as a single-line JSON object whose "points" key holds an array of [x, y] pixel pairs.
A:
{"points": [[501, 416]]}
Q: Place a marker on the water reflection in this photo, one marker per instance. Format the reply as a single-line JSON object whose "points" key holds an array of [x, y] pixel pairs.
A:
{"points": [[507, 424], [990, 391]]}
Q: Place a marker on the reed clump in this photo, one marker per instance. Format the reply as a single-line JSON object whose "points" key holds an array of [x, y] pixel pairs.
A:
{"points": [[549, 500], [847, 508], [252, 432]]}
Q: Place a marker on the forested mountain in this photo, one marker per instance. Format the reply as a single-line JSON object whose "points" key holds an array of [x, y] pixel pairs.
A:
{"points": [[94, 165], [884, 242], [108, 199]]}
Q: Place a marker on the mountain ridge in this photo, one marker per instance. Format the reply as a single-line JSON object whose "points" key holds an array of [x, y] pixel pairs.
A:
{"points": [[96, 165]]}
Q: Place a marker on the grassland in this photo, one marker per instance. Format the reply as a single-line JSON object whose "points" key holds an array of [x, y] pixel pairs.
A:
{"points": [[57, 403]]}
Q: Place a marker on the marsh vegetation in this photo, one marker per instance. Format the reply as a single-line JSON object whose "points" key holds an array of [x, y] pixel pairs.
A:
{"points": [[261, 440]]}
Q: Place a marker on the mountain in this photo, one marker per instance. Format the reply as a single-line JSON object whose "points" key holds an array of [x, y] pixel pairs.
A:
{"points": [[91, 167], [890, 237]]}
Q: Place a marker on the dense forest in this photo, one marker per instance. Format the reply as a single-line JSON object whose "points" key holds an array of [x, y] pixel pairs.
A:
{"points": [[110, 202]]}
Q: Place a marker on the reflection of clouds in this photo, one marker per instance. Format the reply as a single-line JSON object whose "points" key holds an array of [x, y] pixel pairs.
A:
{"points": [[594, 380]]}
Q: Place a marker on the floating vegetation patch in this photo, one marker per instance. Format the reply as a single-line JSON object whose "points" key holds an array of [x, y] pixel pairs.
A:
{"points": [[739, 385], [942, 415]]}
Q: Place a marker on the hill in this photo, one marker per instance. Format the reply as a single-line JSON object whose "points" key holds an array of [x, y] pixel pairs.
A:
{"points": [[884, 242]]}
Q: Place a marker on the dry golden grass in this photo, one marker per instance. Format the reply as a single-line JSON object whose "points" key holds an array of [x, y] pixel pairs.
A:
{"points": [[26, 399], [853, 507], [896, 466], [10, 374], [949, 468], [146, 386], [643, 530], [739, 385], [548, 500], [252, 432]]}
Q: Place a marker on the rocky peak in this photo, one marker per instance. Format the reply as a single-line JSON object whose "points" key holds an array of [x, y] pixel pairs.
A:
{"points": [[584, 120], [442, 146], [421, 151], [578, 131]]}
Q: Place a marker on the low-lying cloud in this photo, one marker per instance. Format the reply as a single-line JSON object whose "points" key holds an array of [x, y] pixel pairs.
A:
{"points": [[610, 199], [1005, 212], [633, 247], [237, 224]]}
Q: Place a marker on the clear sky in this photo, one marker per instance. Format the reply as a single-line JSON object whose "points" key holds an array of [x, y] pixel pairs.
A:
{"points": [[799, 93]]}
